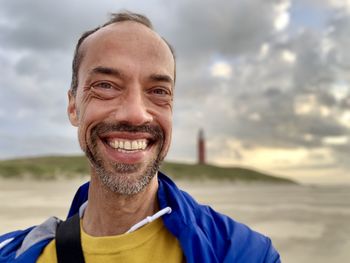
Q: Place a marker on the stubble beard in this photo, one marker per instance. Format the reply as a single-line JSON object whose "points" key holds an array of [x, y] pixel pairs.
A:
{"points": [[122, 178]]}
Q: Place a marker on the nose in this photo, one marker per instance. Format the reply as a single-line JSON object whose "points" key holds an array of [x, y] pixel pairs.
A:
{"points": [[133, 108]]}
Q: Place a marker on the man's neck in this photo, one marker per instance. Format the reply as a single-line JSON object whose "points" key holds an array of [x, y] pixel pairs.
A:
{"points": [[108, 213]]}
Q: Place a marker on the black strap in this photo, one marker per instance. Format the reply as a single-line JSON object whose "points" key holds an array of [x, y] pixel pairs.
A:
{"points": [[68, 243]]}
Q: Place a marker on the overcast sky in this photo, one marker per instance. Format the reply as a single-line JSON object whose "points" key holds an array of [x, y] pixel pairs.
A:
{"points": [[267, 80]]}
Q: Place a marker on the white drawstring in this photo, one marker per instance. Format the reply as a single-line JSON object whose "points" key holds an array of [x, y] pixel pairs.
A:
{"points": [[82, 209], [149, 219]]}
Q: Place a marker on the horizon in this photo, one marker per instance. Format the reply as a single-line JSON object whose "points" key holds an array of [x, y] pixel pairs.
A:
{"points": [[184, 162]]}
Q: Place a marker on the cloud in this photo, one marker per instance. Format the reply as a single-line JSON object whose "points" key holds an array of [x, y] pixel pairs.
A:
{"points": [[37, 145], [283, 17], [261, 106], [288, 56], [231, 28], [221, 70]]}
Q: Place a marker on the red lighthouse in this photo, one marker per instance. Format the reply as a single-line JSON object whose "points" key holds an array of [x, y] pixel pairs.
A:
{"points": [[201, 147]]}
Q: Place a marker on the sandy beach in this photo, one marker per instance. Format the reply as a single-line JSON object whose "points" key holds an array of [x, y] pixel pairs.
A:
{"points": [[306, 223]]}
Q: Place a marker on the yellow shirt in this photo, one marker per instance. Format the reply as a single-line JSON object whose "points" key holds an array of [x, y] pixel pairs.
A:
{"points": [[151, 243]]}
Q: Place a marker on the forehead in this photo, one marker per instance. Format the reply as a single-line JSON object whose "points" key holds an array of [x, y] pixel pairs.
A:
{"points": [[128, 43]]}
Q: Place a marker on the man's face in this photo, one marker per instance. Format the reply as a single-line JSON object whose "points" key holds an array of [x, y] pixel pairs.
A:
{"points": [[123, 105]]}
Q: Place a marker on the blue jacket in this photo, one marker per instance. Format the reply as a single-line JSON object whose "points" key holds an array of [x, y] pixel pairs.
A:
{"points": [[204, 235]]}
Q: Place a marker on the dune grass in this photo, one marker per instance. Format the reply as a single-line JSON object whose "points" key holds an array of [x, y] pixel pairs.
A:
{"points": [[49, 167], [52, 167], [211, 172]]}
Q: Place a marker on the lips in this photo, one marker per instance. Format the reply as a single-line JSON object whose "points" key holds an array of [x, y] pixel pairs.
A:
{"points": [[124, 143]]}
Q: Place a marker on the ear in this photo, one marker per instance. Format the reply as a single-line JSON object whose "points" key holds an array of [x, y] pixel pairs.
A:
{"points": [[72, 109]]}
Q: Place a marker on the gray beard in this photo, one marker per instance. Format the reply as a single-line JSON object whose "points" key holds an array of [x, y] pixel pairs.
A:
{"points": [[120, 178], [121, 182]]}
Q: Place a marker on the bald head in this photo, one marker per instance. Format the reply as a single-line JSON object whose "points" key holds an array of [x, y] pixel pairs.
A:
{"points": [[116, 19]]}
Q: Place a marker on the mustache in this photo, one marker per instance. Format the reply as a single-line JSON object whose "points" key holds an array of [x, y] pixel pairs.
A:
{"points": [[104, 127]]}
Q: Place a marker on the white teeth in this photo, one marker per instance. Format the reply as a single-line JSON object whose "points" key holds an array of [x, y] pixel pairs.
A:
{"points": [[134, 145], [129, 145], [142, 144], [116, 144]]}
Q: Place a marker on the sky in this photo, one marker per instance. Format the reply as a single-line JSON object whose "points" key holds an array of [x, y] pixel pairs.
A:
{"points": [[267, 80]]}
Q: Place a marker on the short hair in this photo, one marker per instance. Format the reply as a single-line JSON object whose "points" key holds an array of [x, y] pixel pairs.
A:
{"points": [[115, 18]]}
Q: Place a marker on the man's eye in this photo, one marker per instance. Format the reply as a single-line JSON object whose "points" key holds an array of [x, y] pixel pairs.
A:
{"points": [[159, 91], [103, 85], [105, 89], [161, 95]]}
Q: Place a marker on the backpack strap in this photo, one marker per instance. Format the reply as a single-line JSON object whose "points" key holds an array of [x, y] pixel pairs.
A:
{"points": [[68, 242]]}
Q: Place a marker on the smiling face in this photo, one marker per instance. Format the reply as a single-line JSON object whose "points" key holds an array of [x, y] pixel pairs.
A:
{"points": [[123, 105]]}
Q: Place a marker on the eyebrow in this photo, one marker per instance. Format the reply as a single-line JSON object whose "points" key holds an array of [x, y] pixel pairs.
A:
{"points": [[117, 73], [161, 78], [107, 71]]}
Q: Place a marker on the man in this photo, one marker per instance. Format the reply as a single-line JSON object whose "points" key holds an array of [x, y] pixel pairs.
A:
{"points": [[121, 101]]}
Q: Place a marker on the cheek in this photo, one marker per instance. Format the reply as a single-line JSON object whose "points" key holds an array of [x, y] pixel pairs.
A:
{"points": [[166, 125], [83, 135], [89, 116]]}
